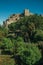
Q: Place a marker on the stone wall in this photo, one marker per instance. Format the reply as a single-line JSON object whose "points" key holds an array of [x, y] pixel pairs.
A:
{"points": [[15, 17]]}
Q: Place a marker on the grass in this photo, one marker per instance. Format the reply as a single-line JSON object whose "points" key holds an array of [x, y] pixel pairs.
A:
{"points": [[6, 60]]}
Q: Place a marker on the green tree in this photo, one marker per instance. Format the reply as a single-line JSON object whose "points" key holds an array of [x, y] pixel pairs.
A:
{"points": [[25, 53], [7, 44]]}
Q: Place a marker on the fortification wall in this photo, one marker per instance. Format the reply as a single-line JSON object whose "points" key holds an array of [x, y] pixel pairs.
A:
{"points": [[15, 17]]}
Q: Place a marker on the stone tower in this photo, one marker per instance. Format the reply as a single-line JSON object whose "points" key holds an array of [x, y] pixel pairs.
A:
{"points": [[26, 12]]}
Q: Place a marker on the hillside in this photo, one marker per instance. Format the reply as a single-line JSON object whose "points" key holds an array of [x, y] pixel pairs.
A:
{"points": [[23, 41]]}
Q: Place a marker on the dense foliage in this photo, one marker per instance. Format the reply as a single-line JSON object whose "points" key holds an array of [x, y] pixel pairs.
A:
{"points": [[28, 27], [23, 40], [25, 53]]}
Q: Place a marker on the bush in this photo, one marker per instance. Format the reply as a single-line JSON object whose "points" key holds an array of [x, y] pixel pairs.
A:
{"points": [[7, 45], [39, 35], [26, 54]]}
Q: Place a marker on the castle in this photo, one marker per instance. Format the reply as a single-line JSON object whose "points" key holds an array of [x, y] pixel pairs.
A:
{"points": [[15, 17]]}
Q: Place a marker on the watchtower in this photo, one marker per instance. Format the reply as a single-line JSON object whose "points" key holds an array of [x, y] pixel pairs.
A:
{"points": [[26, 12]]}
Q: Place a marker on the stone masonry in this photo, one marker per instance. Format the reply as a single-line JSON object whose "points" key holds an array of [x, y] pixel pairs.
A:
{"points": [[15, 17]]}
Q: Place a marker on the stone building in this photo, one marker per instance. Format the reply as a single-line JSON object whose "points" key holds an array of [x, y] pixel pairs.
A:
{"points": [[27, 12], [15, 17]]}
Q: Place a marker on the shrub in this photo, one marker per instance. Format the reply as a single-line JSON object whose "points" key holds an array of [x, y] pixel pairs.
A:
{"points": [[26, 53]]}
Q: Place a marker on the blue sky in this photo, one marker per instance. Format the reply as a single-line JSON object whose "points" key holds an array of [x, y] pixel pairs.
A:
{"points": [[8, 7]]}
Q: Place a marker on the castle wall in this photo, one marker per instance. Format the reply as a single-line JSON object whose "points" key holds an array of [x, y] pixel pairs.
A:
{"points": [[15, 17]]}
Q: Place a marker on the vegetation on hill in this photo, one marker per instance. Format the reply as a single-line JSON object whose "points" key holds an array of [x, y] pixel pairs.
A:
{"points": [[23, 41]]}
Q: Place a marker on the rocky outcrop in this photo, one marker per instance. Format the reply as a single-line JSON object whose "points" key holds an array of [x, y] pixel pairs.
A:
{"points": [[15, 17]]}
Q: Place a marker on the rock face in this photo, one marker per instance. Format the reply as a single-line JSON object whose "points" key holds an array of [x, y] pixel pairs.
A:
{"points": [[15, 17]]}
